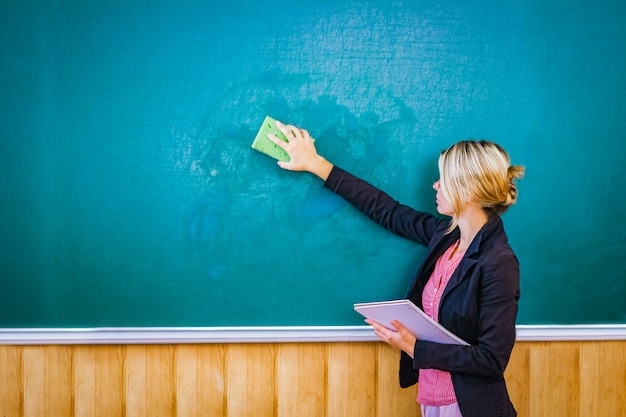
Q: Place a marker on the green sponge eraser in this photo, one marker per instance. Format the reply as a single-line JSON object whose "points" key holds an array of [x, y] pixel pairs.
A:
{"points": [[263, 144]]}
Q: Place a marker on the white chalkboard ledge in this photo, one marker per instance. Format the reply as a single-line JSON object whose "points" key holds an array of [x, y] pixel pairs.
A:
{"points": [[297, 334]]}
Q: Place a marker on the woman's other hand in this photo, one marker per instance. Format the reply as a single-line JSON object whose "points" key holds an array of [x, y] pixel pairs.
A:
{"points": [[301, 150], [400, 338]]}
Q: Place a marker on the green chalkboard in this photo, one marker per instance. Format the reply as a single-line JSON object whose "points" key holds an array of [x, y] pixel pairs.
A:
{"points": [[130, 195]]}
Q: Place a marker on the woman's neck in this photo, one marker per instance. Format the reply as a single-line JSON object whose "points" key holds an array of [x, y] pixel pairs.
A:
{"points": [[470, 221]]}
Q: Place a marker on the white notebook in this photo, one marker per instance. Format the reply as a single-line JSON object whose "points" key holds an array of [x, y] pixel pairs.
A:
{"points": [[411, 317]]}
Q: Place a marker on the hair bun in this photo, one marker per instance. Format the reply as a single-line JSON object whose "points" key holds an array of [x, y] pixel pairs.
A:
{"points": [[515, 172]]}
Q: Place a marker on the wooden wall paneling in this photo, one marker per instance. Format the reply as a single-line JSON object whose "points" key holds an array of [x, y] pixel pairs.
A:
{"points": [[161, 396], [98, 376], [301, 375], [250, 380], [135, 380], [11, 393], [47, 381], [554, 379], [86, 378], [149, 380], [59, 380], [603, 379], [33, 381], [352, 372], [304, 379], [200, 380], [391, 399]]}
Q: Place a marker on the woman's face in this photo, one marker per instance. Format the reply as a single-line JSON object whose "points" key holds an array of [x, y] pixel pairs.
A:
{"points": [[443, 205]]}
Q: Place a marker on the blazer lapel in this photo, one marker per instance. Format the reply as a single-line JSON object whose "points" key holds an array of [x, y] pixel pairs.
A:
{"points": [[467, 263]]}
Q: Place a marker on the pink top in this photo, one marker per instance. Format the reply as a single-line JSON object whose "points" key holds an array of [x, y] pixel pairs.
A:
{"points": [[435, 386]]}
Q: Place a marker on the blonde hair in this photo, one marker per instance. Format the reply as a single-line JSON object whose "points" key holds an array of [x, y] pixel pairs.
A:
{"points": [[479, 172]]}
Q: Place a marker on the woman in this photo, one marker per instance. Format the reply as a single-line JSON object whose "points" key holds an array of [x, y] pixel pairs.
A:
{"points": [[468, 280]]}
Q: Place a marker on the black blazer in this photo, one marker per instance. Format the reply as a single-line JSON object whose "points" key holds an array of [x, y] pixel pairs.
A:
{"points": [[479, 303]]}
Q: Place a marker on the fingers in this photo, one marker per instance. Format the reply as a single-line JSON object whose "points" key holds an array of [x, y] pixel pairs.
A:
{"points": [[398, 326], [408, 339], [401, 330], [400, 338], [383, 333], [288, 130], [292, 133], [279, 142], [300, 148]]}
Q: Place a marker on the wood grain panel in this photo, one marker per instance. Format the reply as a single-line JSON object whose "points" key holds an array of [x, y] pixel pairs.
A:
{"points": [[554, 378], [352, 372], [99, 381], [47, 380], [603, 379], [161, 398], [200, 380], [149, 366], [250, 372], [303, 379], [301, 370], [33, 373], [11, 381], [392, 400]]}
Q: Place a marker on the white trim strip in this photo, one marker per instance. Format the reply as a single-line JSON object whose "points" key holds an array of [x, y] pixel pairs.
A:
{"points": [[571, 332], [293, 334], [170, 335]]}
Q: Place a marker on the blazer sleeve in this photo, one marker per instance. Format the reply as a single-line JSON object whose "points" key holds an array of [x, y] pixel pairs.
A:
{"points": [[383, 209]]}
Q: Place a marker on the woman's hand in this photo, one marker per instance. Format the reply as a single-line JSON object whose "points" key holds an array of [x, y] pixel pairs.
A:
{"points": [[301, 150], [400, 338]]}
